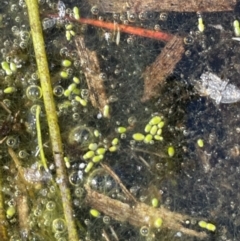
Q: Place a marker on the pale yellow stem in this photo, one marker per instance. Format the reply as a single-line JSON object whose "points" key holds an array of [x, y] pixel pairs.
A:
{"points": [[54, 131]]}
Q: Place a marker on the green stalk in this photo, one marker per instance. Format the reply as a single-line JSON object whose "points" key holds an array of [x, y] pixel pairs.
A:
{"points": [[39, 136], [54, 131]]}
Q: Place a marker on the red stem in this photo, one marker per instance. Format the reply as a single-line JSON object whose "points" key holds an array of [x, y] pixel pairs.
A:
{"points": [[128, 29], [123, 28]]}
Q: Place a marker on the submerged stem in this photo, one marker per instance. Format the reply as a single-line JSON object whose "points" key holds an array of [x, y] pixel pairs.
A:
{"points": [[3, 221], [54, 131], [39, 136]]}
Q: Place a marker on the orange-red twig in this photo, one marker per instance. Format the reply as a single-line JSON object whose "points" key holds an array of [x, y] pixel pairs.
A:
{"points": [[158, 35], [128, 29]]}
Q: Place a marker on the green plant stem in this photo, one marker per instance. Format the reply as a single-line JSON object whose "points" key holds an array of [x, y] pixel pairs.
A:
{"points": [[39, 136], [54, 131]]}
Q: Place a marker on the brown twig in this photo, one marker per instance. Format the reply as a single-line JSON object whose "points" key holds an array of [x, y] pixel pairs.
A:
{"points": [[23, 209], [18, 165], [139, 214], [91, 69], [5, 108], [117, 179], [156, 74], [3, 221], [164, 5], [114, 233], [22, 198], [104, 234]]}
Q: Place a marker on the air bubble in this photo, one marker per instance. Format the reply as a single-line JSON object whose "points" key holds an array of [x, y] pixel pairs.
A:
{"points": [[64, 52], [163, 16], [123, 17], [106, 219], [112, 99], [188, 40], [22, 154], [85, 94], [52, 189], [12, 141], [34, 92], [95, 10], [58, 91], [76, 178], [50, 206], [75, 116], [132, 120], [79, 192], [35, 76], [101, 181], [130, 40], [7, 43], [103, 76], [48, 23], [17, 19], [24, 35], [59, 225], [37, 212], [80, 135], [132, 17], [33, 109], [23, 44], [15, 30], [188, 53], [142, 15], [144, 231], [14, 8], [87, 222]]}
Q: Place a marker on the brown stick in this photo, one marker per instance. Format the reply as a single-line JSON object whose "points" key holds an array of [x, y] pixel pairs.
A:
{"points": [[91, 69], [140, 214], [3, 221], [164, 5], [22, 198], [104, 234], [156, 74], [117, 179], [23, 210]]}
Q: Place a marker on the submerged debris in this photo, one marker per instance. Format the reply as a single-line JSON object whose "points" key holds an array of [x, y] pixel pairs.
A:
{"points": [[219, 90], [91, 70], [166, 5], [155, 75]]}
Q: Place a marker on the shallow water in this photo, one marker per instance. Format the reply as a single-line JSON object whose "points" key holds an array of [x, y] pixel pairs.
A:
{"points": [[199, 181]]}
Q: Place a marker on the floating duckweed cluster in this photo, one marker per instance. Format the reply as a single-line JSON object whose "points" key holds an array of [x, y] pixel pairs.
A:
{"points": [[153, 131], [208, 226], [9, 68], [96, 151]]}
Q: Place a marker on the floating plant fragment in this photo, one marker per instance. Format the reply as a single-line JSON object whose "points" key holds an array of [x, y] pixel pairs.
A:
{"points": [[219, 90]]}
